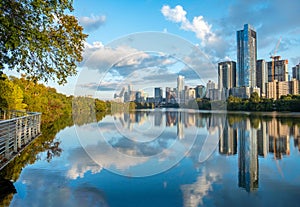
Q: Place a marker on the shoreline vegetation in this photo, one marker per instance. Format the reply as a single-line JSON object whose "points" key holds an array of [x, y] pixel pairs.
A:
{"points": [[288, 103]]}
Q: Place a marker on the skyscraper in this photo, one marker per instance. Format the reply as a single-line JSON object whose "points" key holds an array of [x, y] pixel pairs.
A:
{"points": [[227, 74], [246, 56], [209, 87], [180, 89], [261, 76], [158, 95]]}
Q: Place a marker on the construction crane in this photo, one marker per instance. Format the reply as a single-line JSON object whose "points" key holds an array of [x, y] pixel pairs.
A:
{"points": [[274, 58]]}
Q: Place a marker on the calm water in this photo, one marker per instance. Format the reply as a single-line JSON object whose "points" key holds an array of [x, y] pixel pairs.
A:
{"points": [[170, 158]]}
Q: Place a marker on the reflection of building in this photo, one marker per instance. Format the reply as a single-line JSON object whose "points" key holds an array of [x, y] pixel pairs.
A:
{"points": [[248, 158], [180, 125], [228, 140], [263, 140], [171, 118], [246, 57], [296, 135], [158, 118], [279, 138]]}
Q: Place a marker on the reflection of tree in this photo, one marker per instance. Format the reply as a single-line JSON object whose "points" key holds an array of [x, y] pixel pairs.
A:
{"points": [[86, 110], [54, 150], [29, 155]]}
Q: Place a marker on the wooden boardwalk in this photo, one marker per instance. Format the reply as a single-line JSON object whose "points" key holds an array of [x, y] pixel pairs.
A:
{"points": [[16, 133]]}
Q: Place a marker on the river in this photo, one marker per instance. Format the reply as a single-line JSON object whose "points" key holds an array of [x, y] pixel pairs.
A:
{"points": [[169, 157]]}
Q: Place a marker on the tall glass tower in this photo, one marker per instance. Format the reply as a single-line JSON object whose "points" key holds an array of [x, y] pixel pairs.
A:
{"points": [[246, 56], [180, 89]]}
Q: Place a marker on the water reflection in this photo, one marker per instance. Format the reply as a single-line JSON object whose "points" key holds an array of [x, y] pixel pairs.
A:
{"points": [[251, 160], [247, 136]]}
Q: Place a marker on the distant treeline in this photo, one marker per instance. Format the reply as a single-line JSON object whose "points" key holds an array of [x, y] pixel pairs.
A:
{"points": [[254, 103]]}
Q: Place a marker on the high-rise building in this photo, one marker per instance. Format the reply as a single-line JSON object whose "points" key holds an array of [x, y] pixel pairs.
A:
{"points": [[294, 87], [261, 76], [296, 72], [209, 86], [276, 89], [227, 74], [246, 56], [278, 70], [158, 95], [200, 91], [180, 89], [170, 95]]}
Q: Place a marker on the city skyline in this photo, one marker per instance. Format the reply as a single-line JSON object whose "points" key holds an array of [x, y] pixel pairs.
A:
{"points": [[210, 26], [249, 74]]}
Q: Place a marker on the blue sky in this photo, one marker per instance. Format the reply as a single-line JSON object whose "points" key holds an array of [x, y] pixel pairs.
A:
{"points": [[209, 25]]}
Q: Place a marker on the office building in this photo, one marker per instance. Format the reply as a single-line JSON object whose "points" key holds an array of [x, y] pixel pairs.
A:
{"points": [[244, 92], [210, 86], [276, 89], [246, 57], [226, 75], [278, 69], [296, 72], [158, 95], [294, 87], [261, 76], [171, 95], [180, 89], [200, 91]]}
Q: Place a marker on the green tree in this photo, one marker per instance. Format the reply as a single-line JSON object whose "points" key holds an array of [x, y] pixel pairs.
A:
{"points": [[11, 96], [40, 38], [254, 97]]}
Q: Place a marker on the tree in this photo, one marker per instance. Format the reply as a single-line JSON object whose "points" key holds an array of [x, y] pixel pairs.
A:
{"points": [[254, 97], [40, 38], [11, 96]]}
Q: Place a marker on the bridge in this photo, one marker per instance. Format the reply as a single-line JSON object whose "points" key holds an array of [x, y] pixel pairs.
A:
{"points": [[17, 130]]}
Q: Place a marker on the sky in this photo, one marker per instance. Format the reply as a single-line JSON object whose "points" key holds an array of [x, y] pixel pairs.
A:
{"points": [[148, 43]]}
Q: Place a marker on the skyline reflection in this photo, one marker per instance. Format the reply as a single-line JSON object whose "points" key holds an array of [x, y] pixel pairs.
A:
{"points": [[239, 135]]}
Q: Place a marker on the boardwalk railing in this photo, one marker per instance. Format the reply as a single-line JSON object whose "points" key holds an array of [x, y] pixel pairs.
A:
{"points": [[16, 133]]}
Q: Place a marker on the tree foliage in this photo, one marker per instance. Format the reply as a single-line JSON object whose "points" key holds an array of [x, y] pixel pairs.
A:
{"points": [[11, 96], [40, 38]]}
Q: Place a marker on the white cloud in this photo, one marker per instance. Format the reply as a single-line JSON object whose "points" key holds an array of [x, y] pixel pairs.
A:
{"points": [[93, 22], [99, 57], [211, 42], [175, 15], [199, 26]]}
